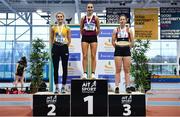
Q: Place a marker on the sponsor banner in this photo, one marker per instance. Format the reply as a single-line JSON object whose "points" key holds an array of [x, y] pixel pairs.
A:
{"points": [[75, 34], [165, 76], [74, 56], [170, 22], [74, 69], [110, 78], [169, 80], [105, 33], [146, 23], [69, 78], [75, 46], [105, 55], [105, 44], [112, 14], [106, 67]]}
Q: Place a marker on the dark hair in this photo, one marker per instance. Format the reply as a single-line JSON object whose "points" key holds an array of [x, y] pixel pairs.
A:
{"points": [[123, 15], [89, 3], [24, 61]]}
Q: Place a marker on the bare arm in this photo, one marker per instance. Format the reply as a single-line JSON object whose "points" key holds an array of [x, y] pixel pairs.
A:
{"points": [[131, 37], [98, 25], [69, 36], [51, 40], [81, 25], [114, 37], [17, 66]]}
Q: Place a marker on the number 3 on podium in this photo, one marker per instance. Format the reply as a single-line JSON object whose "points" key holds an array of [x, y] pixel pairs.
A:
{"points": [[127, 108]]}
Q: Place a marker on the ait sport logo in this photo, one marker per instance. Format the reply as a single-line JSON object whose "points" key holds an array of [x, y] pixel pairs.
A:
{"points": [[126, 99], [89, 87], [108, 67], [70, 67], [51, 99], [108, 43]]}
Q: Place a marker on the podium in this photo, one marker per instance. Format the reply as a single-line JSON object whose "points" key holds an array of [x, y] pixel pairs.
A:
{"points": [[89, 97], [127, 104], [51, 105]]}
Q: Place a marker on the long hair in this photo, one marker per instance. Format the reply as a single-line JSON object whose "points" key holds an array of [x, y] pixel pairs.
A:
{"points": [[24, 61]]}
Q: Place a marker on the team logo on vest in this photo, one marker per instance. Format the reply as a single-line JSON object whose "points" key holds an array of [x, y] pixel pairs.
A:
{"points": [[89, 87], [126, 99], [51, 99]]}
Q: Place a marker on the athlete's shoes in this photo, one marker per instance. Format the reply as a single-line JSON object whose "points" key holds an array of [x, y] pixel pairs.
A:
{"points": [[84, 76], [117, 90], [57, 90], [93, 76], [128, 90], [63, 90], [132, 89]]}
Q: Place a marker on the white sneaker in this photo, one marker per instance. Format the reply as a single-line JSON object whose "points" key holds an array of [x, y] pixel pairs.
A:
{"points": [[84, 76], [93, 76]]}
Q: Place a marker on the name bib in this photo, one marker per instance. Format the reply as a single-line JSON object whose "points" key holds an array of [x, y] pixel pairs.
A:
{"points": [[89, 26], [59, 38], [122, 34]]}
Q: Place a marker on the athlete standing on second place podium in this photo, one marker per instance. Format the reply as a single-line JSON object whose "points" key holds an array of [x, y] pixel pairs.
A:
{"points": [[60, 40], [89, 28]]}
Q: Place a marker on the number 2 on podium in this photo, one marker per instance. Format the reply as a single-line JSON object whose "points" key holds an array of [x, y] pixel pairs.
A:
{"points": [[53, 108], [89, 99]]}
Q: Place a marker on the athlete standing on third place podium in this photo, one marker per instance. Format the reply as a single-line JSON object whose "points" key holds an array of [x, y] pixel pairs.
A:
{"points": [[122, 40], [89, 28]]}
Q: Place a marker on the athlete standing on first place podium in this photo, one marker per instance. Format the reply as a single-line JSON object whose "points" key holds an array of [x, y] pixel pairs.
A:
{"points": [[89, 28], [122, 40], [60, 40]]}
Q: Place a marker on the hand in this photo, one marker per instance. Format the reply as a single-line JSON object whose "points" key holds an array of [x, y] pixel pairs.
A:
{"points": [[113, 43], [68, 44]]}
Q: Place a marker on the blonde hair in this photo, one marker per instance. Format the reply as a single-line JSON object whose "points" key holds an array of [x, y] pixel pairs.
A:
{"points": [[60, 13]]}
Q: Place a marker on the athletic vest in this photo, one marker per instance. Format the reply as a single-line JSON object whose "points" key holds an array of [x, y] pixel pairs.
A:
{"points": [[123, 34], [89, 26], [20, 68], [60, 35]]}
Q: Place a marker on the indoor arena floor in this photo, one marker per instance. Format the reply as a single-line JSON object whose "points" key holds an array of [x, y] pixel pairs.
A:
{"points": [[162, 100]]}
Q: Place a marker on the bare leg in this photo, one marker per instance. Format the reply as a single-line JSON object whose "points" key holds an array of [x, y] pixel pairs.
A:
{"points": [[16, 81], [126, 66], [93, 56], [118, 65], [22, 83], [57, 87], [84, 46]]}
